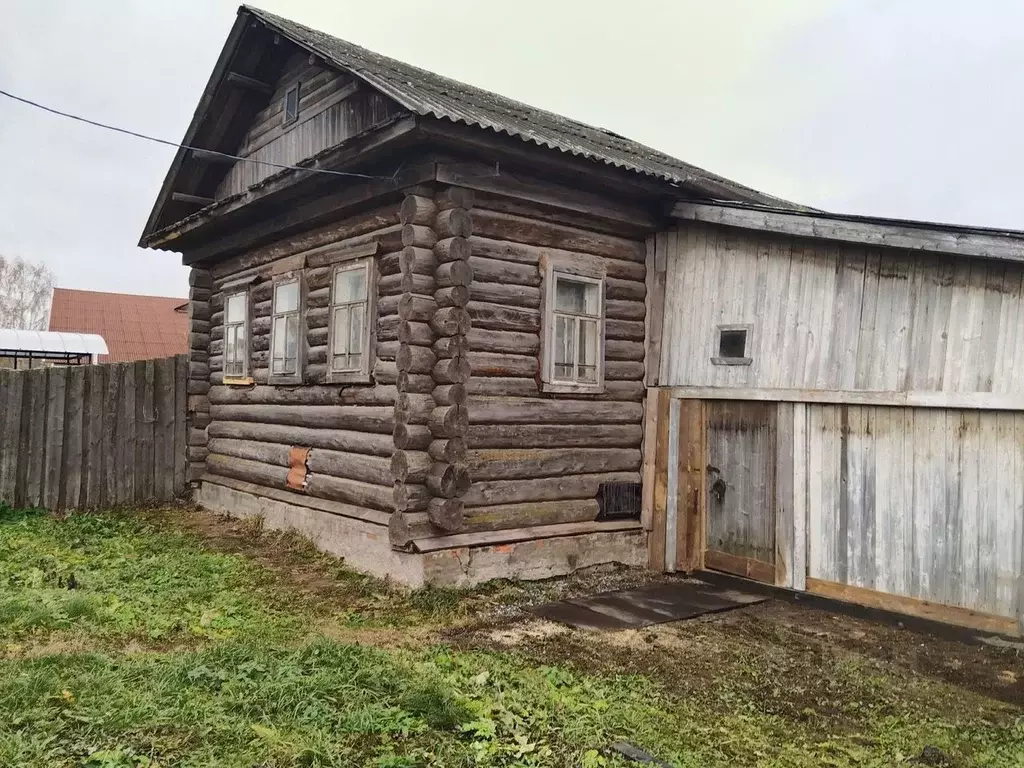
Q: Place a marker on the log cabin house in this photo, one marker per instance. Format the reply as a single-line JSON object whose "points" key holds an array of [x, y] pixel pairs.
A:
{"points": [[452, 337]]}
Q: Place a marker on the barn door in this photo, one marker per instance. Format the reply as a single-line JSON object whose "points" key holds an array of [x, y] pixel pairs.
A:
{"points": [[740, 485]]}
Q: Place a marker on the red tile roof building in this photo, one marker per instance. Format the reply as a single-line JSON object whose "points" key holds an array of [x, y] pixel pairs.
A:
{"points": [[134, 327]]}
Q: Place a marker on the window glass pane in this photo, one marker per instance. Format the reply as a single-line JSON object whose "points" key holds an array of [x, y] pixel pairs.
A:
{"points": [[291, 347], [350, 285], [286, 297], [341, 316], [575, 296], [587, 360], [236, 309], [278, 353], [355, 339], [229, 343], [565, 346]]}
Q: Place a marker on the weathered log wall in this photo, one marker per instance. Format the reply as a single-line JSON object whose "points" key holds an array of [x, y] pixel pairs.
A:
{"points": [[537, 458], [259, 433]]}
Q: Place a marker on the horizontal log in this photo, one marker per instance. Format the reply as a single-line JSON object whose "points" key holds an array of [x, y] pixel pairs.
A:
{"points": [[449, 451], [448, 480], [406, 282], [455, 197], [450, 321], [483, 340], [503, 516], [510, 295], [455, 296], [416, 209], [400, 534], [194, 387], [617, 349], [452, 249], [498, 386], [199, 278], [410, 466], [507, 272], [417, 308], [521, 253], [481, 436], [302, 395], [623, 370], [409, 497], [451, 346], [405, 331], [199, 371], [520, 229], [353, 466], [455, 370], [317, 317], [319, 298], [386, 372], [565, 488], [498, 317], [418, 236], [391, 239], [627, 290], [629, 330], [265, 453], [413, 408], [453, 222], [452, 273], [449, 394], [318, 279], [388, 350], [624, 390], [411, 437], [497, 364], [446, 514], [333, 439], [625, 310], [448, 421], [525, 463], [413, 359], [250, 471], [350, 491], [420, 261], [532, 411]]}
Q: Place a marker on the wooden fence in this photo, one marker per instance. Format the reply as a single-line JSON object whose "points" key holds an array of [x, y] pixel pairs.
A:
{"points": [[93, 436]]}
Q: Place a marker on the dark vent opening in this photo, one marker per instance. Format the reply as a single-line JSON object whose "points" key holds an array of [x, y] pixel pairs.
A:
{"points": [[618, 501], [732, 343]]}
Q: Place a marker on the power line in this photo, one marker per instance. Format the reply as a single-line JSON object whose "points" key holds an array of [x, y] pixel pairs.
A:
{"points": [[203, 150]]}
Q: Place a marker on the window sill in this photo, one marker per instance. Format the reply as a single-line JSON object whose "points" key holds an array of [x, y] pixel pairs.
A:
{"points": [[565, 388], [289, 380], [239, 381], [732, 360]]}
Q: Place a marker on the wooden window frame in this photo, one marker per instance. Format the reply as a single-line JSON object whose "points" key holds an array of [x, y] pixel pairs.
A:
{"points": [[580, 270], [363, 374], [245, 378], [301, 343], [748, 328], [296, 89]]}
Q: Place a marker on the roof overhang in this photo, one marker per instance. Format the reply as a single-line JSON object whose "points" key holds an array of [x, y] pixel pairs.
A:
{"points": [[978, 242]]}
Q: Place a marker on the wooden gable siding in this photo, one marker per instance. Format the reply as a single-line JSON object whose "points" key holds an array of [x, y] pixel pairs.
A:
{"points": [[333, 106], [536, 458], [834, 317]]}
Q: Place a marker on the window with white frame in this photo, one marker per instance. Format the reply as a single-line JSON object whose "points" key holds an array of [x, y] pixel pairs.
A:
{"points": [[236, 348], [575, 327], [284, 329], [291, 104], [350, 327]]}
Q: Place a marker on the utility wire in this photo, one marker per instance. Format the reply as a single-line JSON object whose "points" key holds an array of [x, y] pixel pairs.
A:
{"points": [[187, 146]]}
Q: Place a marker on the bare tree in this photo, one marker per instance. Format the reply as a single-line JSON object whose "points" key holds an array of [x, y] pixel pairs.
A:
{"points": [[25, 289]]}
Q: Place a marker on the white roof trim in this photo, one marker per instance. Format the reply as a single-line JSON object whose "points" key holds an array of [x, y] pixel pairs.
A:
{"points": [[51, 342], [890, 233]]}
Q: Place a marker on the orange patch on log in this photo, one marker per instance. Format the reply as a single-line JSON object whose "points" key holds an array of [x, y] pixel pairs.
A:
{"points": [[297, 458]]}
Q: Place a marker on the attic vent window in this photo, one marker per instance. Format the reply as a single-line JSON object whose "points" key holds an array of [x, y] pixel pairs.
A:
{"points": [[732, 345], [291, 104]]}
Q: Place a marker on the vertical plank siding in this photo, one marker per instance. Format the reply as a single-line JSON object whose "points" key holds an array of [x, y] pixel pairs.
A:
{"points": [[923, 503], [74, 438], [839, 317]]}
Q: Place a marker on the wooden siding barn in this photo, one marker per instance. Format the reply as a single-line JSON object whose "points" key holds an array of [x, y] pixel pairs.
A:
{"points": [[844, 408]]}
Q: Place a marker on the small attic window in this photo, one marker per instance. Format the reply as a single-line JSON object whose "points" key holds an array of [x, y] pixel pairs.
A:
{"points": [[291, 104], [733, 342]]}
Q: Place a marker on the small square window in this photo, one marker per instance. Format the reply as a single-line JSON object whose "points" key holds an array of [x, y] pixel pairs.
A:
{"points": [[732, 345], [291, 104]]}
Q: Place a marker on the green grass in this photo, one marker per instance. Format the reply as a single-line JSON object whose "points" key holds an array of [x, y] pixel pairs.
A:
{"points": [[178, 649]]}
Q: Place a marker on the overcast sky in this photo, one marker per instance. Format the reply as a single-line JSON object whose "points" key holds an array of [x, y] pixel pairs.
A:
{"points": [[904, 108]]}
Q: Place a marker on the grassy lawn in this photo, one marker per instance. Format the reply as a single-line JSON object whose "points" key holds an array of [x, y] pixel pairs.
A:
{"points": [[174, 638]]}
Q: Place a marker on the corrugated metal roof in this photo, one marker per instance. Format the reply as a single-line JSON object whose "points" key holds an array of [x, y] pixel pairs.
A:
{"points": [[135, 327], [426, 93], [51, 342]]}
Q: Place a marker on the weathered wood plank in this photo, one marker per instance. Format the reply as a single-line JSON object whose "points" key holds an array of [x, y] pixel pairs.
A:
{"points": [[36, 397], [73, 468]]}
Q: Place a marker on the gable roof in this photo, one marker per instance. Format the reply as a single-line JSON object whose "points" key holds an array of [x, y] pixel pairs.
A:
{"points": [[134, 327], [428, 94]]}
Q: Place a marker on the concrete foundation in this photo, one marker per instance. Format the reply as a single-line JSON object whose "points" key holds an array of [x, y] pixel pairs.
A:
{"points": [[365, 547]]}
